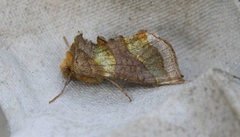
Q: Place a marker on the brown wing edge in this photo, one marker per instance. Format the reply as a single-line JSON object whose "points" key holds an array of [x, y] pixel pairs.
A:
{"points": [[176, 78]]}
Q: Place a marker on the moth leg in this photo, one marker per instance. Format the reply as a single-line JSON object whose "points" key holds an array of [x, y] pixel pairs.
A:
{"points": [[120, 88], [65, 41], [65, 85]]}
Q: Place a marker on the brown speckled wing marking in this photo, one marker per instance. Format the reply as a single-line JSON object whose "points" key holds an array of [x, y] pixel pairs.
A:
{"points": [[84, 66], [127, 67]]}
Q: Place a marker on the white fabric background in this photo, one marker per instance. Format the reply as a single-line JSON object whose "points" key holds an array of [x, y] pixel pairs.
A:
{"points": [[204, 34]]}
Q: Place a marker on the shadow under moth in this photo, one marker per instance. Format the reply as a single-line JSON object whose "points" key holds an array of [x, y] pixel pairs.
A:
{"points": [[143, 58]]}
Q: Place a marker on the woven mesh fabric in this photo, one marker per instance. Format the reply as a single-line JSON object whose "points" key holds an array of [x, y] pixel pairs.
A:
{"points": [[204, 35]]}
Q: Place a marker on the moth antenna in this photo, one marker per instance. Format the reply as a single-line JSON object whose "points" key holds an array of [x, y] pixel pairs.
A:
{"points": [[65, 41], [120, 88], [65, 85]]}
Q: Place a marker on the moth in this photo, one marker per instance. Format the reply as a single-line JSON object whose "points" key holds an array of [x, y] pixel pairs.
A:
{"points": [[144, 59]]}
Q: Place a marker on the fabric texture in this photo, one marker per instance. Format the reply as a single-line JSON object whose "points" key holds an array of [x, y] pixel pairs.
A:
{"points": [[204, 35]]}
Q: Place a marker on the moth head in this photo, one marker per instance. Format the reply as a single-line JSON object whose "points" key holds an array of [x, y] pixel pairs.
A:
{"points": [[67, 66]]}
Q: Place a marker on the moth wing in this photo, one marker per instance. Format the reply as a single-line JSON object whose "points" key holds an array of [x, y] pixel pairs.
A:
{"points": [[157, 55], [143, 58]]}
